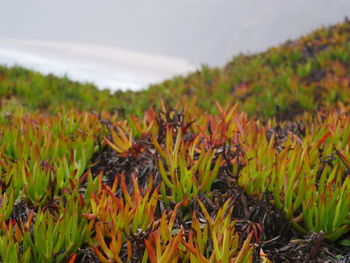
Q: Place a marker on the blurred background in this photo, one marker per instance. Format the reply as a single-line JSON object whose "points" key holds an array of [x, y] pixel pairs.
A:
{"points": [[120, 44]]}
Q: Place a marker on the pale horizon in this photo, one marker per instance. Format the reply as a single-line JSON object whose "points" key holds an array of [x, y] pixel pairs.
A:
{"points": [[124, 41], [105, 66]]}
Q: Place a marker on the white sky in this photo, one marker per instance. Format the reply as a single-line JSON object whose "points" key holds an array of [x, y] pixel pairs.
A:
{"points": [[200, 31]]}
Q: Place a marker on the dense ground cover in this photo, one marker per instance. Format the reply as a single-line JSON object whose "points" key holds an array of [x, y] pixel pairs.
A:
{"points": [[87, 176]]}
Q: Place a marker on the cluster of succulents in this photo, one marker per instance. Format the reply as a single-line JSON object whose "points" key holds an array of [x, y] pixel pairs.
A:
{"points": [[55, 205], [192, 182]]}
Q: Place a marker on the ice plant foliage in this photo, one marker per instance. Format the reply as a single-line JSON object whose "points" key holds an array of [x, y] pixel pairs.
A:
{"points": [[173, 182], [190, 168], [308, 178], [43, 161], [52, 205]]}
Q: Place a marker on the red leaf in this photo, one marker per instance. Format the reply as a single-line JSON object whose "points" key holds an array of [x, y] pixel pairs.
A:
{"points": [[151, 253], [72, 259], [324, 137]]}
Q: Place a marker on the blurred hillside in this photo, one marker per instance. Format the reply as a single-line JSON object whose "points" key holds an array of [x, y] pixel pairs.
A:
{"points": [[307, 74]]}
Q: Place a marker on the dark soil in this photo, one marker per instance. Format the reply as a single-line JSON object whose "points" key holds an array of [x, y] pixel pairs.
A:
{"points": [[87, 255], [314, 76], [289, 114]]}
